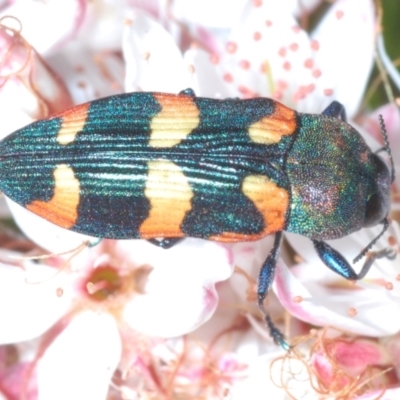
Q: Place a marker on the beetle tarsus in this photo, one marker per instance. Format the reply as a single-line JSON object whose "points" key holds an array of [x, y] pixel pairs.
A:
{"points": [[95, 242], [188, 92], [337, 110], [265, 279], [165, 243], [390, 254], [276, 334], [365, 250]]}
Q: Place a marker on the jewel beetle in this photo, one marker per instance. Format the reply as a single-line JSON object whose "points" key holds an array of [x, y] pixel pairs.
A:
{"points": [[158, 165]]}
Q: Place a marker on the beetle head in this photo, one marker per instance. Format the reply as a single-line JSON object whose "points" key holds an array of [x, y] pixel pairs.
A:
{"points": [[378, 203]]}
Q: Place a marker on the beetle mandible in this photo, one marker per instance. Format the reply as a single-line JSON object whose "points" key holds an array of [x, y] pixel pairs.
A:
{"points": [[157, 165]]}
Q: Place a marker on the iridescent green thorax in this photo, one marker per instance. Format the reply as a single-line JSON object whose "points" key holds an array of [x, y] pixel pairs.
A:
{"points": [[331, 175]]}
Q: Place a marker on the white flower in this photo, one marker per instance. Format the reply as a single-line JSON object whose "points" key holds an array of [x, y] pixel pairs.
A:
{"points": [[317, 295], [29, 89]]}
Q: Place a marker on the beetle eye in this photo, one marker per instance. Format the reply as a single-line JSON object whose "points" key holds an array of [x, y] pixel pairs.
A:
{"points": [[378, 203]]}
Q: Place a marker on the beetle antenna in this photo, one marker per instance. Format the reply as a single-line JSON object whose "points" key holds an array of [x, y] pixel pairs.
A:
{"points": [[386, 141], [364, 252]]}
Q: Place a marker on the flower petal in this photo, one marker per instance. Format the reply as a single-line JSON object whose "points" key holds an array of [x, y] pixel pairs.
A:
{"points": [[224, 12], [90, 350], [58, 20], [384, 394], [372, 313], [153, 61], [89, 75], [207, 82], [249, 256], [180, 293], [44, 233], [103, 25], [303, 8], [30, 304], [351, 357], [29, 89], [347, 29], [268, 56]]}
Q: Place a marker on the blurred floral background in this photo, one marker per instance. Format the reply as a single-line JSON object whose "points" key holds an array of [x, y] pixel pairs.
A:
{"points": [[127, 320]]}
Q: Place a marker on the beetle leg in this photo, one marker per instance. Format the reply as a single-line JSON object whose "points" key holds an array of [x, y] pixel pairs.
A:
{"points": [[372, 256], [265, 280], [165, 243], [337, 263], [95, 242], [188, 92], [335, 109], [334, 260]]}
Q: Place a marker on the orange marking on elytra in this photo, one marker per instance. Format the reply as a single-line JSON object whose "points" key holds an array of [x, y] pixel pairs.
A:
{"points": [[271, 201], [73, 121], [273, 127], [169, 194], [178, 117], [231, 237], [62, 208]]}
